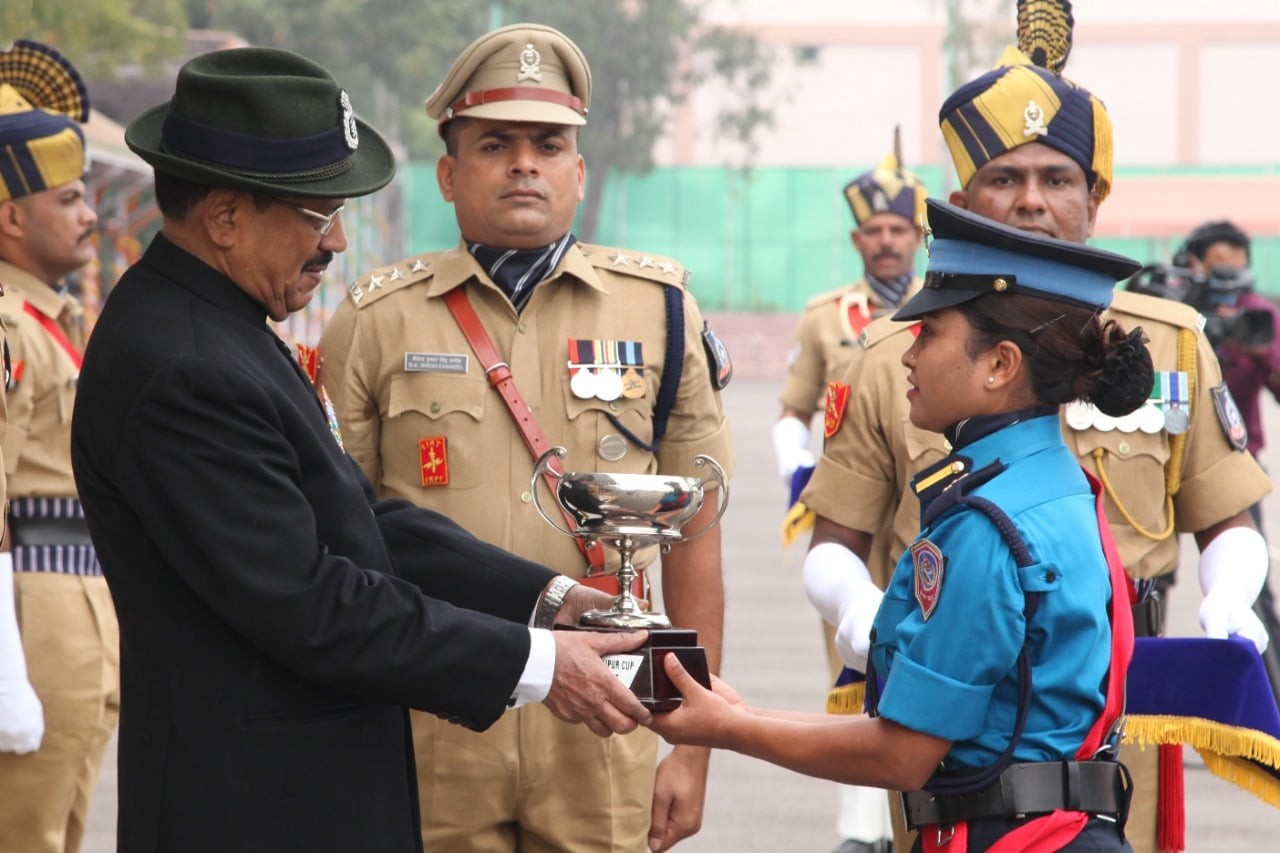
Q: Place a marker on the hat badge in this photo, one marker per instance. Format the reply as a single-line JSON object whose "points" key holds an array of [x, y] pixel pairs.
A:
{"points": [[349, 130], [1033, 120], [530, 65]]}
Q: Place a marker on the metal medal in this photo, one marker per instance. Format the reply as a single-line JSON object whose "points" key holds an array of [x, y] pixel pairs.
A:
{"points": [[608, 384], [1176, 419], [583, 384], [1079, 415], [1150, 418]]}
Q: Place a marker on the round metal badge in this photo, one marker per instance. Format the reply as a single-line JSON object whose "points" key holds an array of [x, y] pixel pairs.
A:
{"points": [[612, 447]]}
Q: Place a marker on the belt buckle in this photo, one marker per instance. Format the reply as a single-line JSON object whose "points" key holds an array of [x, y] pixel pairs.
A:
{"points": [[950, 830]]}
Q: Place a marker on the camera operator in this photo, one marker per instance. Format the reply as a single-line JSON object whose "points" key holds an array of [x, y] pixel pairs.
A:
{"points": [[1241, 325]]}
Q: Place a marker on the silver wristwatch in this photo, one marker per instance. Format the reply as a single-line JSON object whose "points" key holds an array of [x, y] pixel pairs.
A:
{"points": [[549, 604]]}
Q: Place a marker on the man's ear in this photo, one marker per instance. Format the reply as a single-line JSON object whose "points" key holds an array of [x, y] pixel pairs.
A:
{"points": [[960, 198], [222, 213], [444, 177], [12, 218]]}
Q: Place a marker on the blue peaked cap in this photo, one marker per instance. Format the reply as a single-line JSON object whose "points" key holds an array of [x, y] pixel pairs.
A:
{"points": [[971, 256]]}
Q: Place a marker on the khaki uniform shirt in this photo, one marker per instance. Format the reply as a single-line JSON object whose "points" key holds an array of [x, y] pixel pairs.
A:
{"points": [[402, 377], [863, 479], [37, 442], [826, 341]]}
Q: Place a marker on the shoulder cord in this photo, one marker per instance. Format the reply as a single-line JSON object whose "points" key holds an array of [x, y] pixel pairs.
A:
{"points": [[944, 784], [672, 367], [1177, 450]]}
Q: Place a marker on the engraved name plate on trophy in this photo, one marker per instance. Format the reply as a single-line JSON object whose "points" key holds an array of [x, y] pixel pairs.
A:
{"points": [[627, 512]]}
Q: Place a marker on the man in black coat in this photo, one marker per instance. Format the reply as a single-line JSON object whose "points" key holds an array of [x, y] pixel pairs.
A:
{"points": [[276, 619]]}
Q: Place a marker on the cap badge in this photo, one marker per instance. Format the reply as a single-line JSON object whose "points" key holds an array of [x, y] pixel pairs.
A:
{"points": [[349, 130], [1033, 118], [530, 65]]}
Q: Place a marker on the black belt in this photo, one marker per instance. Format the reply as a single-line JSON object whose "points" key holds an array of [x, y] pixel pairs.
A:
{"points": [[1095, 787], [1148, 616], [49, 531]]}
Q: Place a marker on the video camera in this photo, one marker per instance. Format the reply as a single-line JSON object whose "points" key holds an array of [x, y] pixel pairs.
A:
{"points": [[1210, 293]]}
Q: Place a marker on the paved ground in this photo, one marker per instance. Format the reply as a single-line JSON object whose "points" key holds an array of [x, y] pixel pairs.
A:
{"points": [[774, 654]]}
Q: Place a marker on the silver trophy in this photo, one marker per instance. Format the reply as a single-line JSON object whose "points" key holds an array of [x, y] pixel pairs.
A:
{"points": [[627, 512]]}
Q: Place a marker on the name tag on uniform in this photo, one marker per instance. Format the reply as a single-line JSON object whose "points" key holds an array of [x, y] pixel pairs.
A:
{"points": [[435, 362]]}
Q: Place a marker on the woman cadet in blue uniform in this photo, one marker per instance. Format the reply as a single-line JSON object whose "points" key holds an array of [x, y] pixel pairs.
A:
{"points": [[998, 656]]}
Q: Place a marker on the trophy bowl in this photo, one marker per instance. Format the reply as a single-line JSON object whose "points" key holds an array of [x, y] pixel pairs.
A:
{"points": [[626, 512]]}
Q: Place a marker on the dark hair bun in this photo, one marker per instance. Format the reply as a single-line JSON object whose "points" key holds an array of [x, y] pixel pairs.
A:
{"points": [[1127, 373]]}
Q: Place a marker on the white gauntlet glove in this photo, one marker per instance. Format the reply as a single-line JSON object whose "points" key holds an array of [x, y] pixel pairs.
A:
{"points": [[21, 714], [791, 447], [839, 586], [1233, 569]]}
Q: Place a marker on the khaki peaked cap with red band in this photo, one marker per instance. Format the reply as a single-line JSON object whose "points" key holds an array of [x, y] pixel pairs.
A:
{"points": [[524, 72]]}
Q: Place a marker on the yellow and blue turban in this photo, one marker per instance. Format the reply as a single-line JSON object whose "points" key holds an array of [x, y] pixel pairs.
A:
{"points": [[886, 189], [1020, 102], [42, 102]]}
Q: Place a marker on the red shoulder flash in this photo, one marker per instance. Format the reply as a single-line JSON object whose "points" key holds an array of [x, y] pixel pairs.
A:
{"points": [[837, 399]]}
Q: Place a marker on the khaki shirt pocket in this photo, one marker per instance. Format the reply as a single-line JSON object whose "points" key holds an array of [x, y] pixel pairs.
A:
{"points": [[1132, 463], [433, 405], [593, 441]]}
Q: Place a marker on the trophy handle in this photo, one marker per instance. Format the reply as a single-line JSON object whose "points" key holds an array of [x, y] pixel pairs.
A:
{"points": [[718, 476], [541, 468]]}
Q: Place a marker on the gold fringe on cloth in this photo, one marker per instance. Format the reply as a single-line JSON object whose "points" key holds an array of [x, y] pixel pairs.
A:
{"points": [[847, 698], [1226, 750], [800, 519]]}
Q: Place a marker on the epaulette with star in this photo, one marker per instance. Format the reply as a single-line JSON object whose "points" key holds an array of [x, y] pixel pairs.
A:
{"points": [[374, 285], [651, 267], [882, 328], [827, 297], [1146, 307]]}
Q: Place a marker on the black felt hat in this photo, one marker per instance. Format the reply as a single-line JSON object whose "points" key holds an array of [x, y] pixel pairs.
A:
{"points": [[970, 256], [265, 120]]}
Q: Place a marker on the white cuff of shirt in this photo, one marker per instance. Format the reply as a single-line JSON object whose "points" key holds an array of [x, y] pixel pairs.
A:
{"points": [[539, 669]]}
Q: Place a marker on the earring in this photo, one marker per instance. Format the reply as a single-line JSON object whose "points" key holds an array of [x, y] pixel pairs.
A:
{"points": [[990, 379]]}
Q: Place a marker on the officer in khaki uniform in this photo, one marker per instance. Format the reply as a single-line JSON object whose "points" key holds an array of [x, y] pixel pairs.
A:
{"points": [[888, 207], [68, 623], [584, 331], [1177, 465]]}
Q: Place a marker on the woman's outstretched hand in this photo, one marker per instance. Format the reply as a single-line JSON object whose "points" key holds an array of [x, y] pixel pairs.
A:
{"points": [[703, 715]]}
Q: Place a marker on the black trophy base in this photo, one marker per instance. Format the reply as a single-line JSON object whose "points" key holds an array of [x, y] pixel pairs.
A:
{"points": [[644, 670]]}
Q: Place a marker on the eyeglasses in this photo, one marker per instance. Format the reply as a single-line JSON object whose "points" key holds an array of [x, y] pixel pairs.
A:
{"points": [[322, 222]]}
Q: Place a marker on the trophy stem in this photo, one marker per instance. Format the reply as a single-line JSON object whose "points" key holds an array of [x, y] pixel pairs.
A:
{"points": [[626, 611]]}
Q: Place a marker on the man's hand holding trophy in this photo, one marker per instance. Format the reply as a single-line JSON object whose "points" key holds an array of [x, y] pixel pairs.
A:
{"points": [[627, 512]]}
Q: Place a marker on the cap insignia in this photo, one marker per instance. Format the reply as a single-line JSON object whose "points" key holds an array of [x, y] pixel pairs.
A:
{"points": [[349, 130], [1033, 118], [530, 65]]}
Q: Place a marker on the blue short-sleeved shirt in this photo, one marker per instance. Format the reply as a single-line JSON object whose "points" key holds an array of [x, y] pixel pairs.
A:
{"points": [[954, 675]]}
